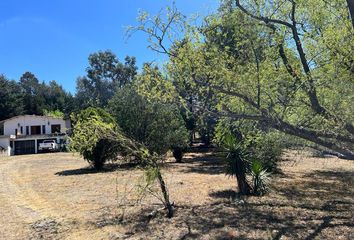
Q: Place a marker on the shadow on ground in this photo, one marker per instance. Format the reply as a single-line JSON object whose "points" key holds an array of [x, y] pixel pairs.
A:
{"points": [[91, 170], [311, 205], [318, 205], [211, 163]]}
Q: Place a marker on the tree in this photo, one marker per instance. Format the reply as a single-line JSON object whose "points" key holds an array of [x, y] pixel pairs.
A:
{"points": [[158, 126], [285, 64], [56, 98], [92, 126], [11, 98], [28, 96], [98, 139], [105, 75], [33, 94], [39, 97]]}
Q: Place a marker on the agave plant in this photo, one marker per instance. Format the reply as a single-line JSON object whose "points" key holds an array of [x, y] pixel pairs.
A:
{"points": [[260, 178]]}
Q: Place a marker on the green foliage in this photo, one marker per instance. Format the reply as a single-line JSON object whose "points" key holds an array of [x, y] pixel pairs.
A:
{"points": [[11, 98], [258, 145], [159, 126], [55, 113], [260, 177], [286, 64], [33, 94], [98, 139], [250, 151], [236, 162], [29, 96], [92, 112], [151, 174], [264, 148], [153, 86], [235, 154], [91, 136], [105, 75]]}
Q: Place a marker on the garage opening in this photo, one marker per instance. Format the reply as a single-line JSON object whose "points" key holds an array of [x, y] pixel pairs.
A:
{"points": [[25, 147], [39, 141]]}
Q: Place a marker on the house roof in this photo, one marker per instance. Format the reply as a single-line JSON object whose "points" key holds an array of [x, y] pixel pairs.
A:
{"points": [[26, 115]]}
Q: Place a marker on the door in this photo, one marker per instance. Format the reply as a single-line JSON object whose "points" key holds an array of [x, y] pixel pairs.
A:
{"points": [[25, 147]]}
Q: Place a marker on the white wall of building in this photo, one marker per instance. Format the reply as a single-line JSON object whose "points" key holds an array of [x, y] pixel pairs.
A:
{"points": [[5, 143], [31, 120]]}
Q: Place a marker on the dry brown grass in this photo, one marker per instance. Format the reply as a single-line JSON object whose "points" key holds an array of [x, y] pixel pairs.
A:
{"points": [[55, 196]]}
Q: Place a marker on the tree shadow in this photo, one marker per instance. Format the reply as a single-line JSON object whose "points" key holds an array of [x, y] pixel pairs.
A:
{"points": [[90, 170], [205, 163], [318, 205], [327, 185], [224, 194]]}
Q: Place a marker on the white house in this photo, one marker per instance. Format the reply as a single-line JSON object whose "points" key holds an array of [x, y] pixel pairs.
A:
{"points": [[23, 134]]}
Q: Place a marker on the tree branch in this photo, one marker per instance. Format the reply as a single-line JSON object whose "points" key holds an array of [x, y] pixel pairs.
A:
{"points": [[261, 18]]}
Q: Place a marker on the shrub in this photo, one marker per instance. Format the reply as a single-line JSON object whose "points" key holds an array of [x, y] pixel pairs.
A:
{"points": [[264, 148], [90, 136], [178, 154]]}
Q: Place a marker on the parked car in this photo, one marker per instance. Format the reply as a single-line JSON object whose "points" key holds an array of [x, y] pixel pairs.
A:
{"points": [[48, 145]]}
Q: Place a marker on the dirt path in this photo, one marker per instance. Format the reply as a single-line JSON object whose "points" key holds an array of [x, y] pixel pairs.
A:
{"points": [[29, 206], [15, 214]]}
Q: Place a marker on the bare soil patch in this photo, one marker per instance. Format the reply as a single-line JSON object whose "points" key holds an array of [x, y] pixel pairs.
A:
{"points": [[56, 196]]}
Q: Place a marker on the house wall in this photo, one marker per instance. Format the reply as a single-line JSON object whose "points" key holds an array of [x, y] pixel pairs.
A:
{"points": [[29, 120], [5, 143]]}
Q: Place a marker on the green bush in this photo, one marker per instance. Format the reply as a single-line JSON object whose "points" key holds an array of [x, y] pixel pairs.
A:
{"points": [[90, 138], [264, 148], [159, 126]]}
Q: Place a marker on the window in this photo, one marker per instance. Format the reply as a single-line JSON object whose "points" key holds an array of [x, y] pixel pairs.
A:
{"points": [[27, 130], [56, 128], [35, 130], [21, 131], [16, 131], [43, 129]]}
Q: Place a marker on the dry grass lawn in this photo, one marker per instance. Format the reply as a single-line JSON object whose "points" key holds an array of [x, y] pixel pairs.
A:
{"points": [[55, 196]]}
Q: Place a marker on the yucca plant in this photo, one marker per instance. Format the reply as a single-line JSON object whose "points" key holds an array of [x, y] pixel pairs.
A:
{"points": [[236, 162], [260, 178]]}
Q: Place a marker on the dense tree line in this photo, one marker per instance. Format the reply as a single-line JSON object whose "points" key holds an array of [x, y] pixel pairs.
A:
{"points": [[30, 96]]}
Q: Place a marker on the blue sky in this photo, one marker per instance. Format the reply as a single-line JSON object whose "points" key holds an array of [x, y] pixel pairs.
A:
{"points": [[53, 38]]}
